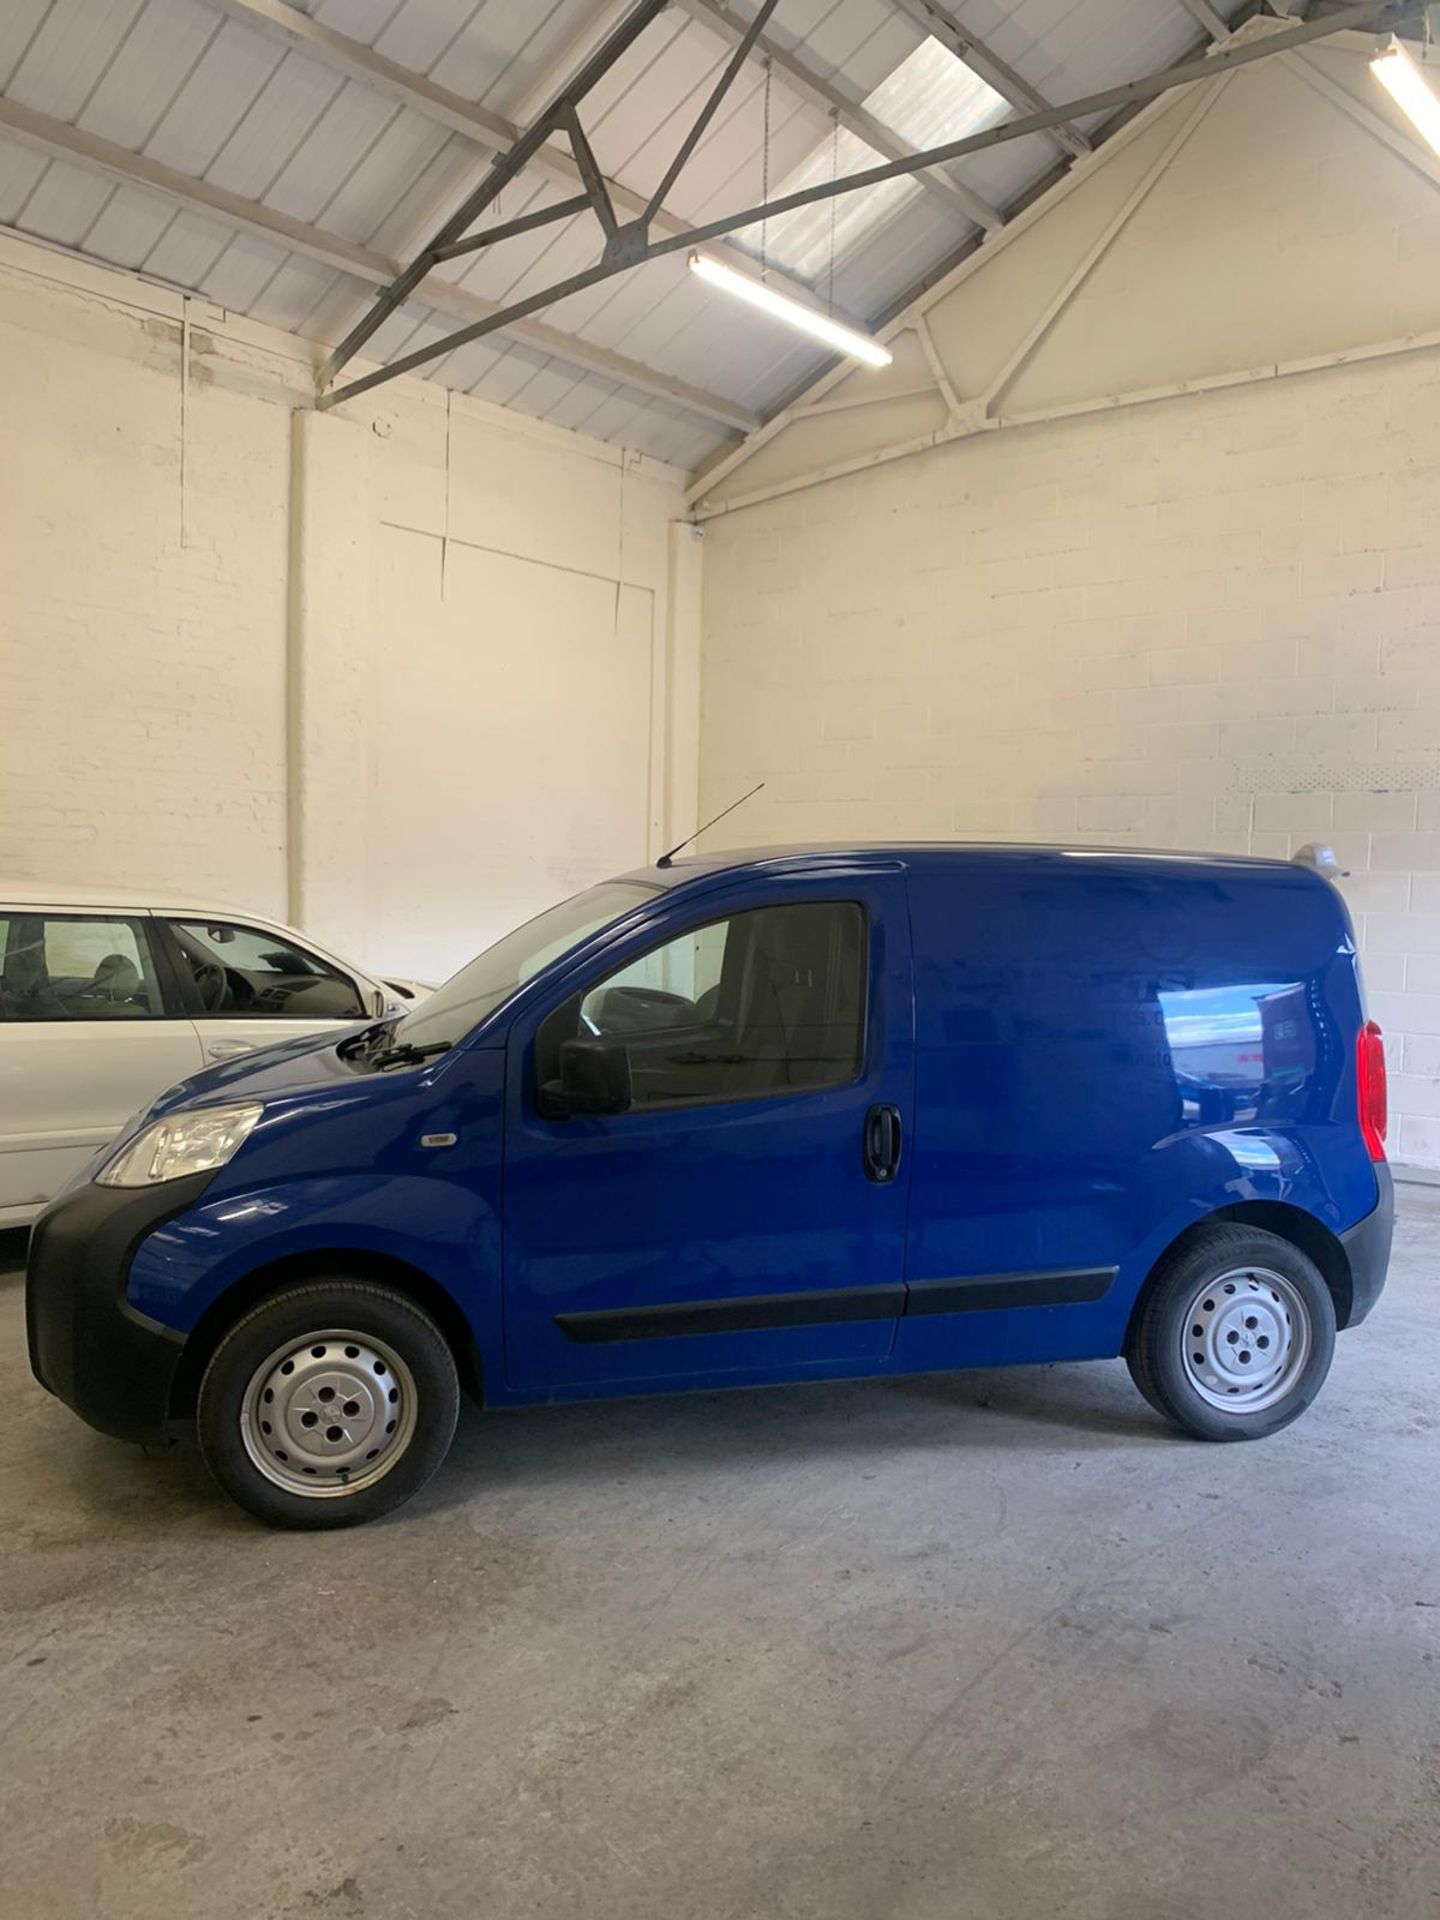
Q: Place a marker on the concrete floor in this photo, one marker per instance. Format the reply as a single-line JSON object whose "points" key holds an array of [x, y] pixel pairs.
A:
{"points": [[995, 1647]]}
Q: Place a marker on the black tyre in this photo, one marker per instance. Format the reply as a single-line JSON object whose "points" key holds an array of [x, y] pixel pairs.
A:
{"points": [[1235, 1335], [328, 1404]]}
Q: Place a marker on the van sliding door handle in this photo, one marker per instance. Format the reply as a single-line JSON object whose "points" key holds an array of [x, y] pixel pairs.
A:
{"points": [[882, 1143]]}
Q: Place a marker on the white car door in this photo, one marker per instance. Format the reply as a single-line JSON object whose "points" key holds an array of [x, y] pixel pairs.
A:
{"points": [[90, 1030], [253, 986]]}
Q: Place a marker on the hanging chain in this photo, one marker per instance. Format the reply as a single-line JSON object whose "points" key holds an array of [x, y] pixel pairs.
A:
{"points": [[834, 205], [765, 182]]}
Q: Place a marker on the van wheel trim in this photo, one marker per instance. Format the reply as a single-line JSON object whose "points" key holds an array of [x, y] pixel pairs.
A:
{"points": [[1245, 1339], [328, 1414]]}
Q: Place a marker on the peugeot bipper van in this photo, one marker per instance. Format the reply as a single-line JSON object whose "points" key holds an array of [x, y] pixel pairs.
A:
{"points": [[753, 1118]]}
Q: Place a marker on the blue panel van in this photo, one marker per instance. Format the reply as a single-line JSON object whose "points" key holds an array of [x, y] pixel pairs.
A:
{"points": [[753, 1118]]}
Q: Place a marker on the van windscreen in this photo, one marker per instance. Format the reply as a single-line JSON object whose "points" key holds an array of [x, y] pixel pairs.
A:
{"points": [[492, 976]]}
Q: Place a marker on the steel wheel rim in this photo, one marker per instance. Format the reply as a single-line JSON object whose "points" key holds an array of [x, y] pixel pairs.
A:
{"points": [[1245, 1340], [329, 1413]]}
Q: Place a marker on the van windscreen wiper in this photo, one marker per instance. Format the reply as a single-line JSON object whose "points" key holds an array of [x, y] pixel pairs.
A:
{"points": [[406, 1056], [355, 1044]]}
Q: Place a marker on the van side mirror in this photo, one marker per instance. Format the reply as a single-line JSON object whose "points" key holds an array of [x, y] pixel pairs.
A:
{"points": [[594, 1078]]}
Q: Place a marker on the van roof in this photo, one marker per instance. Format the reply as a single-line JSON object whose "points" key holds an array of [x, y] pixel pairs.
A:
{"points": [[822, 855]]}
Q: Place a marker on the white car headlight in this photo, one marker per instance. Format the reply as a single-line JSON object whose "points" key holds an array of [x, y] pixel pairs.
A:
{"points": [[196, 1142]]}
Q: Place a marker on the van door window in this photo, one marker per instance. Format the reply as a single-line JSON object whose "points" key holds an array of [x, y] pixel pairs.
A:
{"points": [[762, 1002], [76, 967], [252, 973]]}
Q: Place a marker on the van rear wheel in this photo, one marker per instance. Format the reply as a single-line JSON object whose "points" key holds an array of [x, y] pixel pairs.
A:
{"points": [[1235, 1336], [328, 1404]]}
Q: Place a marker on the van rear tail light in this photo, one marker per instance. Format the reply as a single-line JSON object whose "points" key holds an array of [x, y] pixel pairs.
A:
{"points": [[1370, 1078]]}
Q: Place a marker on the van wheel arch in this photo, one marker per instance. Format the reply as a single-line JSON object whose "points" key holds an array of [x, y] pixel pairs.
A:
{"points": [[327, 1263], [1313, 1238]]}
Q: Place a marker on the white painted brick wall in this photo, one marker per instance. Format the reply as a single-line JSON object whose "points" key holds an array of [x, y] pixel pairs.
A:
{"points": [[141, 679], [475, 738], [1211, 623]]}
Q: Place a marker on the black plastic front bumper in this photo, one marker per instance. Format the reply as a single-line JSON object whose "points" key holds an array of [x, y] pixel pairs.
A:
{"points": [[1367, 1248], [88, 1345]]}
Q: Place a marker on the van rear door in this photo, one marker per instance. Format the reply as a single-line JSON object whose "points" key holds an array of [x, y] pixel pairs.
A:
{"points": [[746, 1213]]}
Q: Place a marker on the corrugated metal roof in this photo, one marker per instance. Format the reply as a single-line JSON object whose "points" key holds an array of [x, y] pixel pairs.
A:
{"points": [[185, 84]]}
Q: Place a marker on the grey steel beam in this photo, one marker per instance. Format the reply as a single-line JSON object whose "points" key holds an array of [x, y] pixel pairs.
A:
{"points": [[997, 73], [62, 142], [595, 190], [1364, 16], [1128, 94], [510, 229], [958, 198], [491, 132], [707, 113], [505, 167], [1201, 10]]}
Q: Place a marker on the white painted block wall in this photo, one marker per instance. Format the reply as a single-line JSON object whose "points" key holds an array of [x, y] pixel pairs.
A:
{"points": [[1212, 624], [405, 673]]}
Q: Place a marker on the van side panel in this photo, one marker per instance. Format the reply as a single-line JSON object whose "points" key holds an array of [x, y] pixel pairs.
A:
{"points": [[1108, 1048]]}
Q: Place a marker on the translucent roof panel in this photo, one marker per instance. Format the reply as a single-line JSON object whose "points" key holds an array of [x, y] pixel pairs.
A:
{"points": [[933, 97], [803, 240], [930, 98]]}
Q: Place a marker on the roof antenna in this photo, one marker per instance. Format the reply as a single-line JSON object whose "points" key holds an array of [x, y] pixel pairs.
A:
{"points": [[666, 858]]}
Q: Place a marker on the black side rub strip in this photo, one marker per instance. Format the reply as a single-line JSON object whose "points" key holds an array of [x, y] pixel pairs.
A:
{"points": [[986, 1292], [759, 1312], [751, 1314]]}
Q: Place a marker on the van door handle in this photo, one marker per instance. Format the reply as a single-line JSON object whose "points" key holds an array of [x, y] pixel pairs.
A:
{"points": [[882, 1143]]}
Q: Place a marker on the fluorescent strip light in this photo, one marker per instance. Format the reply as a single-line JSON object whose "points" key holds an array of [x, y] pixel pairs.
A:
{"points": [[818, 325], [1409, 89]]}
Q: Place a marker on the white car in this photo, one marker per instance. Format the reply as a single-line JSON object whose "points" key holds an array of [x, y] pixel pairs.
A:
{"points": [[108, 998]]}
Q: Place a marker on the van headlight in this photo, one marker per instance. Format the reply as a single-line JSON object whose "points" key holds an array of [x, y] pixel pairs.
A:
{"points": [[195, 1142]]}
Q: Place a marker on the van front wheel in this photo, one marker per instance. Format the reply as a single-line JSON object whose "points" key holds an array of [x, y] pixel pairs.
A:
{"points": [[1235, 1336], [328, 1404]]}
